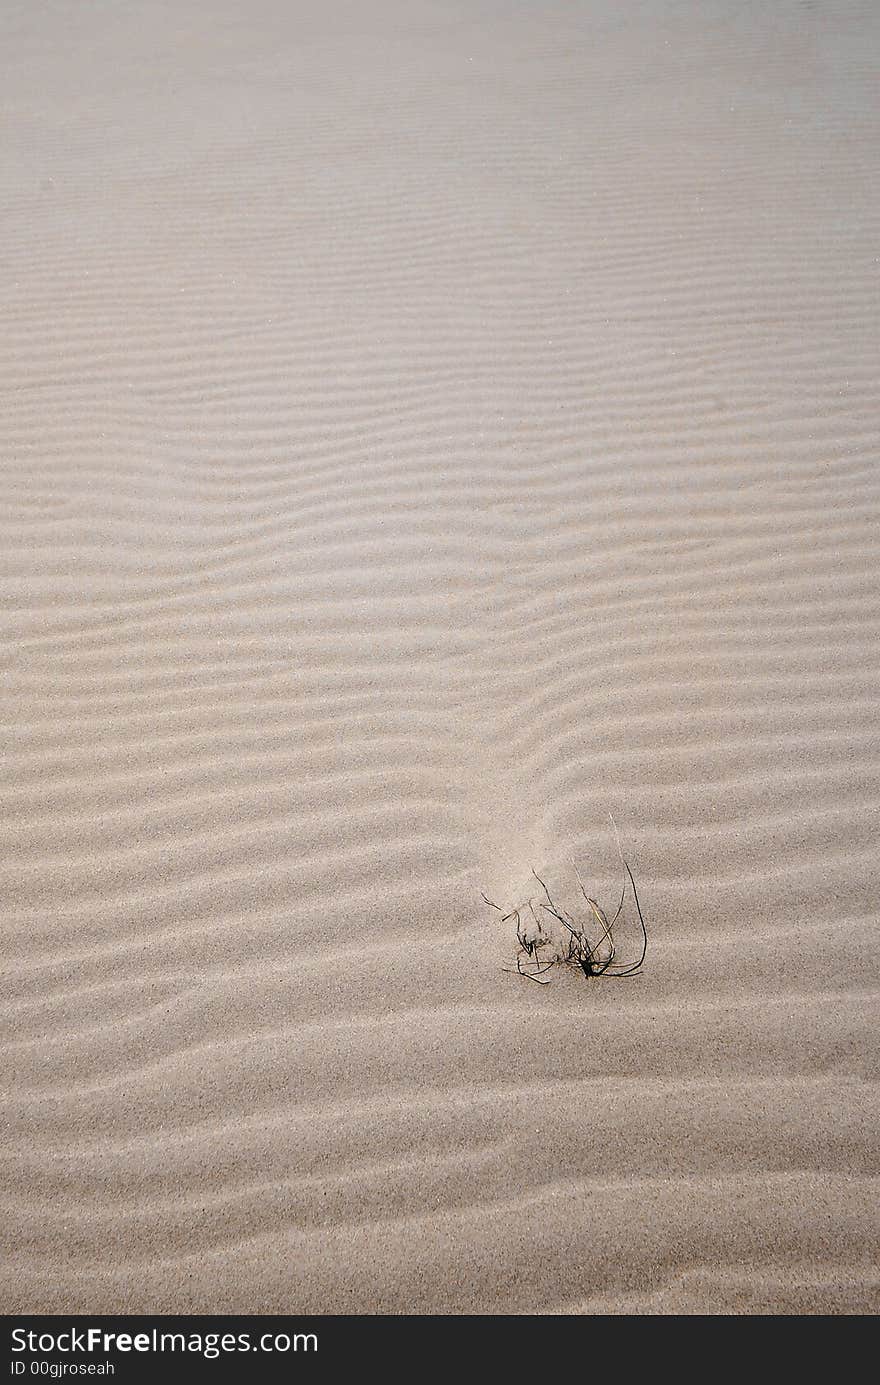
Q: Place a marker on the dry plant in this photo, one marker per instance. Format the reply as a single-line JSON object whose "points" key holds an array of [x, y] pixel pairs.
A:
{"points": [[538, 951]]}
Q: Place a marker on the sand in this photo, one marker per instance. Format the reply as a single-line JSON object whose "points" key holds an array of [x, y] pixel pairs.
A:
{"points": [[428, 428]]}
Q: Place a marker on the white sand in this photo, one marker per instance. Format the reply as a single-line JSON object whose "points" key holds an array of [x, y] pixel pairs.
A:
{"points": [[427, 428]]}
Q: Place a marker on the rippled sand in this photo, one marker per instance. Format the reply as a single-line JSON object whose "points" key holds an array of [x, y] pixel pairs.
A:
{"points": [[428, 428]]}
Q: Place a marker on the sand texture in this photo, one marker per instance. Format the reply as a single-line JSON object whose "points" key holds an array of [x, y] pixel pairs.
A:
{"points": [[428, 427]]}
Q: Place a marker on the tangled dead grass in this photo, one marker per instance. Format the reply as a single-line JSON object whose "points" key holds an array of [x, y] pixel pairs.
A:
{"points": [[550, 936]]}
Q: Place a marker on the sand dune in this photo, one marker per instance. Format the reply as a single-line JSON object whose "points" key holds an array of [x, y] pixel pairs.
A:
{"points": [[428, 429]]}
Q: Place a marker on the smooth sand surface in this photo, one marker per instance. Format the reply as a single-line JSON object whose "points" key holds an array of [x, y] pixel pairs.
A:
{"points": [[428, 428]]}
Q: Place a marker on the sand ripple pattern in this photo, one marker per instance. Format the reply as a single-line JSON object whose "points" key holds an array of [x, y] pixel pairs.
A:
{"points": [[425, 430]]}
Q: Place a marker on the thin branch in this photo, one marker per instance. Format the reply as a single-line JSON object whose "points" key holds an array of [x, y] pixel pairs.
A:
{"points": [[630, 968]]}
